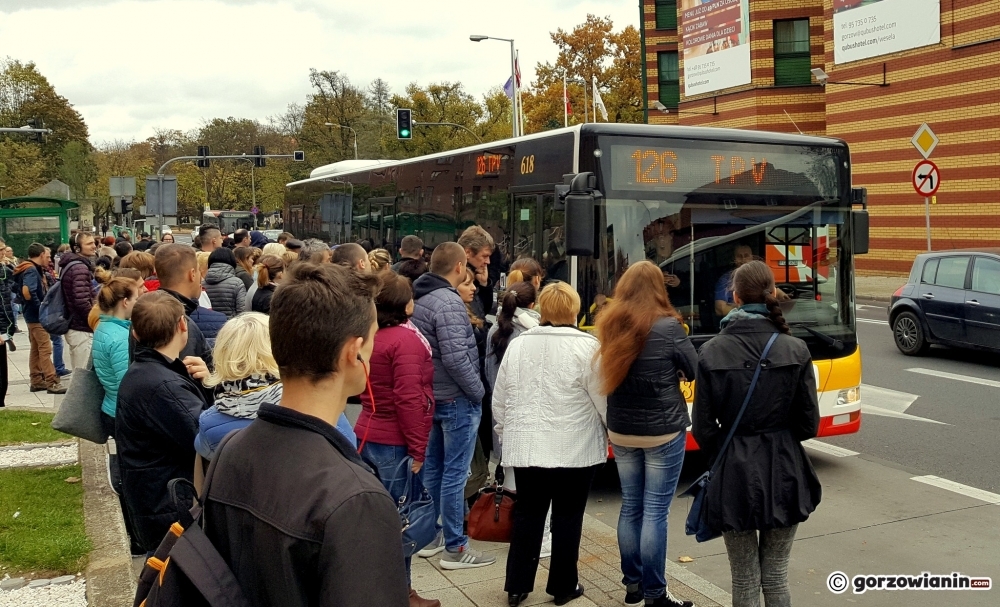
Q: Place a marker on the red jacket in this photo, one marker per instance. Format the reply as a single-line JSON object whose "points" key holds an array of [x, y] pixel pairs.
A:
{"points": [[402, 379]]}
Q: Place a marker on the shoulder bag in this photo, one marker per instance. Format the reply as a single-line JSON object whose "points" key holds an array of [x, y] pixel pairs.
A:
{"points": [[79, 412], [696, 523], [416, 512]]}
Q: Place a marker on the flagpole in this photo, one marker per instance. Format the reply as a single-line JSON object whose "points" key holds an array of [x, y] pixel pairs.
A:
{"points": [[513, 84], [517, 91], [593, 98]]}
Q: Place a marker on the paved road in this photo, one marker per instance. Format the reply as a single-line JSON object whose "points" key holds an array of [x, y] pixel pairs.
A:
{"points": [[916, 490]]}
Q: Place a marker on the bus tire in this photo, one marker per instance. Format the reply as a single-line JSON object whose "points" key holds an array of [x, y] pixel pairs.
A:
{"points": [[909, 335]]}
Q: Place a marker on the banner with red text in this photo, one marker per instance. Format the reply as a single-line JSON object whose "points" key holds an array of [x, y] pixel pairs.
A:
{"points": [[716, 38]]}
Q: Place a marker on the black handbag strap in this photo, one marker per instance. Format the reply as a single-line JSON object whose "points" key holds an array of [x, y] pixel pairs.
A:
{"points": [[746, 401]]}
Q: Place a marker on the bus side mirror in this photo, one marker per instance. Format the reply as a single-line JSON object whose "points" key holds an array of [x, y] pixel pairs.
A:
{"points": [[859, 230], [580, 200]]}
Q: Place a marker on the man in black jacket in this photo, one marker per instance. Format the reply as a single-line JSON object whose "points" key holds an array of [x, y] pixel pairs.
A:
{"points": [[478, 245], [157, 416], [294, 511], [177, 268]]}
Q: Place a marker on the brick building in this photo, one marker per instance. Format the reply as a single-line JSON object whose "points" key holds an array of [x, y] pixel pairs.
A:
{"points": [[952, 84]]}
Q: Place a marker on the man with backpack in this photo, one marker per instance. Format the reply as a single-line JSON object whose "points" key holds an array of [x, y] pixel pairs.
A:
{"points": [[31, 284], [76, 276]]}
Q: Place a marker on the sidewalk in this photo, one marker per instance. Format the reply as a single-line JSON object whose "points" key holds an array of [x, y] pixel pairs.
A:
{"points": [[877, 288], [19, 395], [599, 573]]}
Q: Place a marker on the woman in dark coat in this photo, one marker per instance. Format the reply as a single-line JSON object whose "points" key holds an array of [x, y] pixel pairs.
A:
{"points": [[269, 272], [224, 287], [766, 483]]}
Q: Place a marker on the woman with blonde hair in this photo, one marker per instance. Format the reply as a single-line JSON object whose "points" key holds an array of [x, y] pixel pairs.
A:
{"points": [[202, 257], [380, 259], [245, 377], [548, 412], [273, 248], [645, 354], [526, 269]]}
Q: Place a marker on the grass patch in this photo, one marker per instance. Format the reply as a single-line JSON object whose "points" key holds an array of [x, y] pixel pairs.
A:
{"points": [[16, 428], [48, 534]]}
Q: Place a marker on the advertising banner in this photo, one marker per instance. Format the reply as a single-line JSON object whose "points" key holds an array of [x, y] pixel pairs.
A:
{"points": [[716, 37], [869, 28]]}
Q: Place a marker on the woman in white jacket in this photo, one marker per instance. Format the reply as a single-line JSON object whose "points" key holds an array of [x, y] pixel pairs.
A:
{"points": [[548, 411]]}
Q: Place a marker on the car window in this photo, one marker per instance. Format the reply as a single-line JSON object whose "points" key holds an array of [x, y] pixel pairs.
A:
{"points": [[986, 276], [951, 272], [930, 269]]}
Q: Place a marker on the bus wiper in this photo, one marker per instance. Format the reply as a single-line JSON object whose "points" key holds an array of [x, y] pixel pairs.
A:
{"points": [[829, 340]]}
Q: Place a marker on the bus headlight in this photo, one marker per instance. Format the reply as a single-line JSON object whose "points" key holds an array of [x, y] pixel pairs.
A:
{"points": [[850, 396]]}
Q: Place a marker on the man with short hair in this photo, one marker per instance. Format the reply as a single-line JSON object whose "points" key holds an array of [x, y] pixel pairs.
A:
{"points": [[76, 274], [177, 268], [478, 245], [210, 238], [144, 243], [724, 303], [156, 420], [410, 248], [241, 238], [34, 283], [353, 256], [293, 509], [285, 237], [315, 250], [441, 316]]}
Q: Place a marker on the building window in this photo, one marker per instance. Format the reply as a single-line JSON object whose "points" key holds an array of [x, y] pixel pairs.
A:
{"points": [[791, 52], [669, 79], [666, 14]]}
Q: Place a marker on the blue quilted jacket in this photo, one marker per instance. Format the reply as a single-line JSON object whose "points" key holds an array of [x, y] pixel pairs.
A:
{"points": [[441, 316], [110, 352]]}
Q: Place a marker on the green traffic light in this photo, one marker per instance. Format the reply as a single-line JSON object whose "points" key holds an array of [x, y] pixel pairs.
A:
{"points": [[405, 132]]}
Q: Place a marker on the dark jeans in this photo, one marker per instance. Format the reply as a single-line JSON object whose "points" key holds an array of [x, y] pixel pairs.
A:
{"points": [[57, 354], [387, 458], [760, 566], [566, 489]]}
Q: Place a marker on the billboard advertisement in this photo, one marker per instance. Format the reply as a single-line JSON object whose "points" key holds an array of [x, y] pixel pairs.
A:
{"points": [[716, 38], [868, 28]]}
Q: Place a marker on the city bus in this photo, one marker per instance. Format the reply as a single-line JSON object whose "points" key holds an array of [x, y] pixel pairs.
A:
{"points": [[228, 221], [586, 201]]}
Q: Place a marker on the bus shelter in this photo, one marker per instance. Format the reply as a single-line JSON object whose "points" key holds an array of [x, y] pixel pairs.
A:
{"points": [[28, 219]]}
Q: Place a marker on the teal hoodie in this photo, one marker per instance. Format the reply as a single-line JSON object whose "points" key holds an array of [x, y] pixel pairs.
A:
{"points": [[111, 358]]}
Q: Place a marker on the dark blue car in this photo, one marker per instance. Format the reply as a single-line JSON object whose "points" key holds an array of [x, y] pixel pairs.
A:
{"points": [[951, 298]]}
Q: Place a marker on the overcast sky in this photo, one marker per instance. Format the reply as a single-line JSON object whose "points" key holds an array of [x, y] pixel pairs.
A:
{"points": [[130, 66]]}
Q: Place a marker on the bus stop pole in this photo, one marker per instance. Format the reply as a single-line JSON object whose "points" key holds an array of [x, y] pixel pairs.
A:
{"points": [[927, 218]]}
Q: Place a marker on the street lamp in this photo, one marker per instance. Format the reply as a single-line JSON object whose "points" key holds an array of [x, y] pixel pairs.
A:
{"points": [[823, 79], [350, 129], [513, 75]]}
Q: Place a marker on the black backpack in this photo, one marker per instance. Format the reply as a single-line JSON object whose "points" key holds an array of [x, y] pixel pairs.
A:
{"points": [[186, 569]]}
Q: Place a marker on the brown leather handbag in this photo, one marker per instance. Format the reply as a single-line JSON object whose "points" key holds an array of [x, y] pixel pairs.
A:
{"points": [[491, 518]]}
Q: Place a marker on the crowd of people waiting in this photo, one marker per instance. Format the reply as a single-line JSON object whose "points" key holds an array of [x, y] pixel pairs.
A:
{"points": [[274, 339]]}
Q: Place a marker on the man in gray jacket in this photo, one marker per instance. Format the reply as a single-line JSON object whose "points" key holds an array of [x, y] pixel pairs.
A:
{"points": [[441, 316]]}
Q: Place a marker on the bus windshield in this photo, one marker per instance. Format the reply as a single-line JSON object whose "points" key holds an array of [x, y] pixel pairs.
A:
{"points": [[699, 209], [229, 221]]}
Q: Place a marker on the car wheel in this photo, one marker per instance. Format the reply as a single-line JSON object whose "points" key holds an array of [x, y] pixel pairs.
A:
{"points": [[909, 334]]}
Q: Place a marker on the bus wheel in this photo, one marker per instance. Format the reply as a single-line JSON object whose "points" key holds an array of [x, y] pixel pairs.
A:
{"points": [[909, 335]]}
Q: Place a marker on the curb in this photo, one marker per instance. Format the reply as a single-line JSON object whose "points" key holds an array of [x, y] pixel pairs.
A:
{"points": [[110, 580]]}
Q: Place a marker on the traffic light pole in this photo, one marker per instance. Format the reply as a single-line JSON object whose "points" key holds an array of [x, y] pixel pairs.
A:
{"points": [[251, 157], [26, 130], [415, 123]]}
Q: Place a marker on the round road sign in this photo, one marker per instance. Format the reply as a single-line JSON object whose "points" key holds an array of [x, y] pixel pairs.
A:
{"points": [[926, 178]]}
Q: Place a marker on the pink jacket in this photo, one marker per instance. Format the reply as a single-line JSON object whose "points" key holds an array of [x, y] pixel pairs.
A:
{"points": [[402, 379]]}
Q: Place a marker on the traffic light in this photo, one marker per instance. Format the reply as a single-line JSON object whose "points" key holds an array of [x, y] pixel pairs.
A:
{"points": [[203, 163], [299, 156], [126, 206], [35, 123], [258, 151], [404, 123]]}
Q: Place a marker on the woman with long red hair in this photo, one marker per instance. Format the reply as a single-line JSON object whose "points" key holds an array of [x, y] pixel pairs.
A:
{"points": [[645, 354]]}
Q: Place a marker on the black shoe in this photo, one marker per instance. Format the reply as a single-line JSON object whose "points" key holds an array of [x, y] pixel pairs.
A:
{"points": [[634, 598], [11, 345], [514, 599], [669, 600], [562, 600]]}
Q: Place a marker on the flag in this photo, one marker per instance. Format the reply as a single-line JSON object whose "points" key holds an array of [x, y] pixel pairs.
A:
{"points": [[598, 102], [569, 107], [508, 88], [517, 68]]}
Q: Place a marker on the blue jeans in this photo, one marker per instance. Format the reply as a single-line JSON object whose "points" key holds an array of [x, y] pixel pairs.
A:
{"points": [[57, 354], [446, 468], [649, 480], [392, 475]]}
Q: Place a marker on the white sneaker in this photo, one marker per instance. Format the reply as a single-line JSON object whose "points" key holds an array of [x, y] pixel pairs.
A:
{"points": [[434, 547], [467, 557]]}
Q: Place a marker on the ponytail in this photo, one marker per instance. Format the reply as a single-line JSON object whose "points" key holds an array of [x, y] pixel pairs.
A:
{"points": [[515, 276], [518, 295], [268, 268], [114, 292], [753, 282]]}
